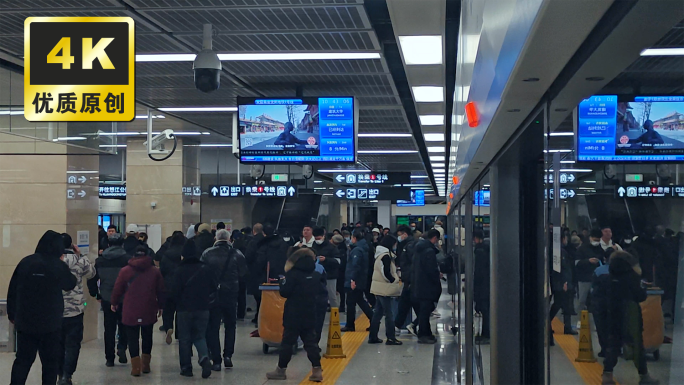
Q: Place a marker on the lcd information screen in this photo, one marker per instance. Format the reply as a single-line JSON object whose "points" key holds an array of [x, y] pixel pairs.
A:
{"points": [[417, 199], [647, 129], [481, 198], [301, 130]]}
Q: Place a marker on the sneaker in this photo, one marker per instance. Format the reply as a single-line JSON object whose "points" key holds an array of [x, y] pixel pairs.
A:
{"points": [[206, 367], [169, 336], [393, 343], [607, 378], [348, 329], [186, 373], [65, 381], [411, 329], [427, 340], [278, 374], [375, 341], [570, 332], [436, 314], [316, 374], [109, 363], [228, 362], [216, 367]]}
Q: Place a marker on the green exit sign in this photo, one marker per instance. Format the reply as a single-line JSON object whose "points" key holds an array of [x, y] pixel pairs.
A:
{"points": [[278, 177], [634, 177]]}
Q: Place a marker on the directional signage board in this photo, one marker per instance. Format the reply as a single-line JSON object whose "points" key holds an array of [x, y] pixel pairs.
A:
{"points": [[112, 192], [650, 191], [565, 193], [261, 191], [563, 178], [383, 178], [375, 193]]}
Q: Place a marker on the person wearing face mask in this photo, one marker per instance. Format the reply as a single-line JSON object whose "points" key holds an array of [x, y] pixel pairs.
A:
{"points": [[376, 237], [405, 248], [385, 285], [589, 256], [328, 257], [288, 239]]}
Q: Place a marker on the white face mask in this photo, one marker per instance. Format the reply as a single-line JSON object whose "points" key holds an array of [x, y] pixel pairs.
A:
{"points": [[628, 241], [413, 227], [286, 239], [347, 239], [319, 241], [595, 243]]}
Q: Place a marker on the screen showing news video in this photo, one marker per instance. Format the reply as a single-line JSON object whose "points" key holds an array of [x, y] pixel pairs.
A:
{"points": [[648, 128], [308, 129]]}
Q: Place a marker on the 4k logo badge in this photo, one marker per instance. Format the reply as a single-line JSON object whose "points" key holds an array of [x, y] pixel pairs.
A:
{"points": [[79, 69]]}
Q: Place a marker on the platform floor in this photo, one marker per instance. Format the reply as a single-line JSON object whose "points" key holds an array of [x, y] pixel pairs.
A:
{"points": [[411, 363]]}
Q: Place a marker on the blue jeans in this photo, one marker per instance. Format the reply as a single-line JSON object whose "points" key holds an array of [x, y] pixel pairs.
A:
{"points": [[192, 330], [383, 307]]}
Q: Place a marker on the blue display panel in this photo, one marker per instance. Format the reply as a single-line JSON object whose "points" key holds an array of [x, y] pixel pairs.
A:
{"points": [[650, 128], [300, 130], [481, 198], [417, 199]]}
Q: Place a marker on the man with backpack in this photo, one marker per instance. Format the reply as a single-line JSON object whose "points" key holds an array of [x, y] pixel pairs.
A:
{"points": [[229, 265]]}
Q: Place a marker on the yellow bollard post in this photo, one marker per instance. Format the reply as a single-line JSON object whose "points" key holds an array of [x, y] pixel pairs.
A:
{"points": [[334, 349], [586, 351]]}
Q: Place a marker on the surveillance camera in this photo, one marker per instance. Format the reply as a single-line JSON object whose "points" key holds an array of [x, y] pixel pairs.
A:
{"points": [[652, 182], [207, 69], [158, 140]]}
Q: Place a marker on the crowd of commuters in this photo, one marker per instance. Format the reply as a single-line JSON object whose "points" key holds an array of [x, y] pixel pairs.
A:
{"points": [[199, 280], [608, 276]]}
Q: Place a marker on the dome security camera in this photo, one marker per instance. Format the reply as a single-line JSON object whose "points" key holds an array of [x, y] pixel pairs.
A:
{"points": [[207, 66]]}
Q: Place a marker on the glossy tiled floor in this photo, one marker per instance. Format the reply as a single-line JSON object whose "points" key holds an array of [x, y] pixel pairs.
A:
{"points": [[372, 364]]}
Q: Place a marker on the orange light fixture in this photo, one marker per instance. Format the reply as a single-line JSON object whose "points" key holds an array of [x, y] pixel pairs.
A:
{"points": [[451, 195], [472, 114], [454, 179]]}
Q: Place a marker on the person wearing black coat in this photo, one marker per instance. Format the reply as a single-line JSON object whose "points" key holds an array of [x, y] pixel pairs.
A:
{"points": [[355, 280], [170, 261], [271, 255], [481, 278], [204, 238], [299, 286], [405, 249], [194, 284], [624, 295], [238, 241], [342, 252], [228, 264], [254, 279], [589, 256], [426, 287], [561, 288], [328, 257], [35, 306]]}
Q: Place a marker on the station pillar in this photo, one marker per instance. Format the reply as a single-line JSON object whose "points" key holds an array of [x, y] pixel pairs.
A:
{"points": [[165, 193]]}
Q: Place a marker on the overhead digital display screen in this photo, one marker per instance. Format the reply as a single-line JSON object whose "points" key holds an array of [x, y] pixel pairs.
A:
{"points": [[481, 198], [300, 130], [260, 191], [646, 129], [417, 199]]}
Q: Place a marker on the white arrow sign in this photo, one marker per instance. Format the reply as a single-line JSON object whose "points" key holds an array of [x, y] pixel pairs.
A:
{"points": [[339, 178], [339, 193], [571, 178], [82, 194], [82, 179], [571, 193], [621, 191], [214, 191], [291, 191]]}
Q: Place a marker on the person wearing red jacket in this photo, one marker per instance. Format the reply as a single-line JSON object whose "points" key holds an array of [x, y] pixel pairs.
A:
{"points": [[139, 289]]}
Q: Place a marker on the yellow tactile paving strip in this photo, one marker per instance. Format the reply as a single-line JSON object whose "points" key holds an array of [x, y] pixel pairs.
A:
{"points": [[351, 341], [589, 371]]}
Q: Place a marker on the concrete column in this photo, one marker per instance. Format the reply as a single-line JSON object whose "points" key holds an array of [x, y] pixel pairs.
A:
{"points": [[385, 213], [155, 189], [47, 187]]}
